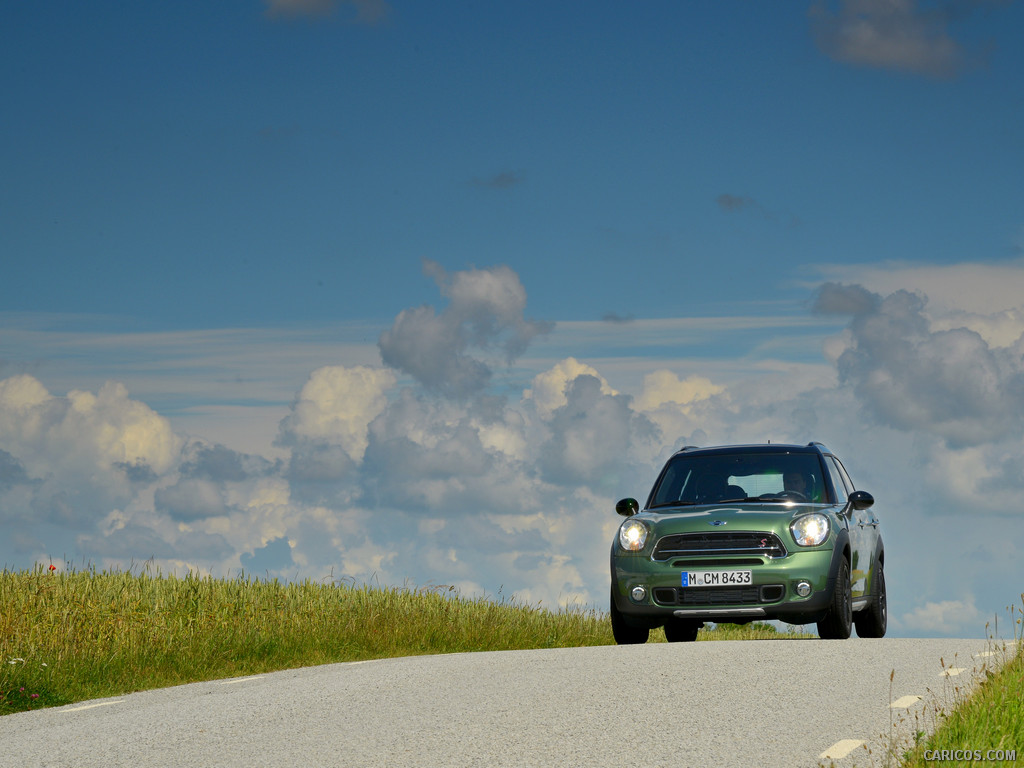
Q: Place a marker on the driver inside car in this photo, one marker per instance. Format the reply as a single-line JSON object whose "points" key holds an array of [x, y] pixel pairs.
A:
{"points": [[800, 483]]}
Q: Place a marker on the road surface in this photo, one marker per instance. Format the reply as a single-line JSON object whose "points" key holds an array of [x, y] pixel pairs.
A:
{"points": [[786, 703]]}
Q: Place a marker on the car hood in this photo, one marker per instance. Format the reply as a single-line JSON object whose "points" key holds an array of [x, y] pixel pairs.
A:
{"points": [[744, 516]]}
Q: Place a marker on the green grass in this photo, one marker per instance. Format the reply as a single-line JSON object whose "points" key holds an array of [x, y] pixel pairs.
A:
{"points": [[67, 637]]}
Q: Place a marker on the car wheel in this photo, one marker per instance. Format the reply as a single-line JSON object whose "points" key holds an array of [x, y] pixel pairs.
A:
{"points": [[871, 622], [682, 631], [623, 633], [839, 620]]}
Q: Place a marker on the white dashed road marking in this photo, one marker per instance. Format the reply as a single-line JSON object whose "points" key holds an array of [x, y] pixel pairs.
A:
{"points": [[904, 702], [954, 671], [840, 749], [240, 680], [93, 706]]}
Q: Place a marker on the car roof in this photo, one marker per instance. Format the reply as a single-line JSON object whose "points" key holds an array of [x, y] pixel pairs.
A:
{"points": [[812, 447]]}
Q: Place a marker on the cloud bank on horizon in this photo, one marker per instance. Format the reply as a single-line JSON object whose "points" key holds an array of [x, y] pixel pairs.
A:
{"points": [[414, 471]]}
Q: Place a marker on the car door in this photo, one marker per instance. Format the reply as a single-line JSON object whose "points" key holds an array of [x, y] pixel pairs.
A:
{"points": [[860, 545], [867, 527]]}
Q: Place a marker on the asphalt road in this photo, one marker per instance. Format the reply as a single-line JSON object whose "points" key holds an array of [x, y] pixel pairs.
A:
{"points": [[738, 703]]}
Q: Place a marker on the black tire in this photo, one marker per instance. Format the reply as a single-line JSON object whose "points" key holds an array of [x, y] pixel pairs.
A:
{"points": [[623, 633], [682, 631], [838, 622], [872, 621]]}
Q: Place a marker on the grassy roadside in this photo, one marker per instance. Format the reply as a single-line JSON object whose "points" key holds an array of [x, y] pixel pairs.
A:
{"points": [[985, 727], [67, 637]]}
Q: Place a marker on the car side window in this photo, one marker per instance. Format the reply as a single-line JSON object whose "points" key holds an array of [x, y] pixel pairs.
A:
{"points": [[846, 475], [842, 492]]}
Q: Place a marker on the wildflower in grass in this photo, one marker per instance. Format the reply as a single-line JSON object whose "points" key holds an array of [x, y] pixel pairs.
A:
{"points": [[34, 696], [52, 567]]}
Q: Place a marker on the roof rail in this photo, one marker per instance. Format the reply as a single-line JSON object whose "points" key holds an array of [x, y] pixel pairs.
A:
{"points": [[819, 444], [688, 448]]}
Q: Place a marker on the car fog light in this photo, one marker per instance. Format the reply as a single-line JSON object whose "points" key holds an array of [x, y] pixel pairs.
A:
{"points": [[638, 594], [803, 588]]}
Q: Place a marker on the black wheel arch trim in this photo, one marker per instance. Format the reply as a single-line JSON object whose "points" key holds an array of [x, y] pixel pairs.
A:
{"points": [[878, 563], [839, 552]]}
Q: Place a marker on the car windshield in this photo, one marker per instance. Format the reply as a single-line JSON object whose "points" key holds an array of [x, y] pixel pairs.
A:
{"points": [[716, 478]]}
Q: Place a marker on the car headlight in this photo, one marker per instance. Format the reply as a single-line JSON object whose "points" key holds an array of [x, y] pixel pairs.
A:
{"points": [[810, 530], [632, 535]]}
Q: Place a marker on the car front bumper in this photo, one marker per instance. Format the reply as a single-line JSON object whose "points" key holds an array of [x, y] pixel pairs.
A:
{"points": [[771, 595]]}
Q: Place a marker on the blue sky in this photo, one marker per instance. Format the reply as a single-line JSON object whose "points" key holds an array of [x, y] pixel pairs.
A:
{"points": [[415, 292]]}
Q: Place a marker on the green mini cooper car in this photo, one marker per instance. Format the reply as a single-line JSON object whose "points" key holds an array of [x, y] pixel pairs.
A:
{"points": [[751, 532]]}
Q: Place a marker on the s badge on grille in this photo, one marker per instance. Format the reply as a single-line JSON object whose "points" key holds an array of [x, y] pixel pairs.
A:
{"points": [[717, 522]]}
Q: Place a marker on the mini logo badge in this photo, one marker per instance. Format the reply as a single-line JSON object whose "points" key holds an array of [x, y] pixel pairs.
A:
{"points": [[717, 522]]}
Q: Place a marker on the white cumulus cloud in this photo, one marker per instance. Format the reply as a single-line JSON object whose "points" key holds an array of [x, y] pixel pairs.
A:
{"points": [[593, 435], [336, 406], [951, 383], [82, 451], [103, 429], [548, 390], [447, 352], [943, 617], [663, 387]]}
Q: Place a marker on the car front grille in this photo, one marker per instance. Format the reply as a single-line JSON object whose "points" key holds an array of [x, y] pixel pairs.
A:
{"points": [[719, 544], [769, 593]]}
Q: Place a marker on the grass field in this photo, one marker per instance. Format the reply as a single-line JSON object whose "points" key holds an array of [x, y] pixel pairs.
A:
{"points": [[67, 637]]}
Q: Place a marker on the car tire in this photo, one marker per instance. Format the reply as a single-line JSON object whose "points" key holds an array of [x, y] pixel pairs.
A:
{"points": [[682, 631], [871, 622], [838, 622], [623, 633]]}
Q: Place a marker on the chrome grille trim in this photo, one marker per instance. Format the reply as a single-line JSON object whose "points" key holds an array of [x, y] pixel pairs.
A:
{"points": [[719, 543]]}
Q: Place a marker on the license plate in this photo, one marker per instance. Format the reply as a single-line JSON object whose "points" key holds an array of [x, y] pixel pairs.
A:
{"points": [[716, 578]]}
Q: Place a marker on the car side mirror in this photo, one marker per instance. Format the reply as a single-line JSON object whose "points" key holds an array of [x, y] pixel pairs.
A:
{"points": [[627, 507], [861, 499]]}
